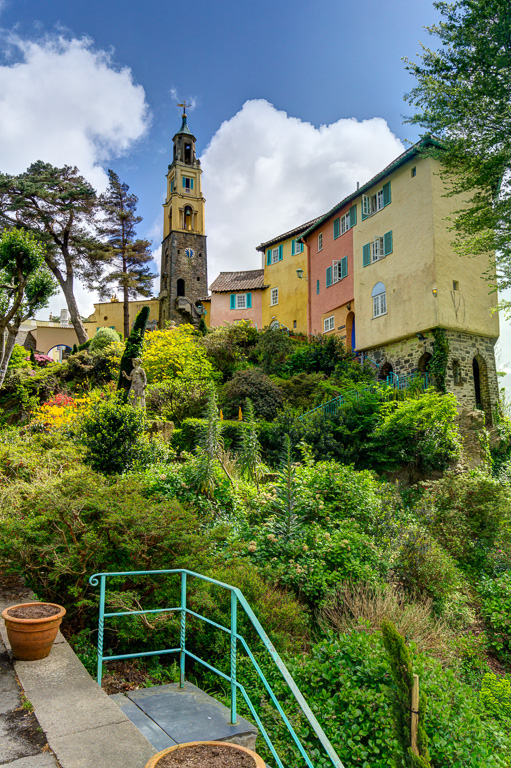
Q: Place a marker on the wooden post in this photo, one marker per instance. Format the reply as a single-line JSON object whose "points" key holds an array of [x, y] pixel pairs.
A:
{"points": [[415, 714]]}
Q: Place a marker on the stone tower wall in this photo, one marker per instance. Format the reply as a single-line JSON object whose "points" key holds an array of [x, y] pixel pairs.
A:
{"points": [[176, 265]]}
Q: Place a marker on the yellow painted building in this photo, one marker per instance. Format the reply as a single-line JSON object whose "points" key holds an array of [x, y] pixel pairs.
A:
{"points": [[110, 314], [285, 300]]}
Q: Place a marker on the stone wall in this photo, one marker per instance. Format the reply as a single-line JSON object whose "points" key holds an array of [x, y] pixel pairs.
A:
{"points": [[411, 355], [175, 265]]}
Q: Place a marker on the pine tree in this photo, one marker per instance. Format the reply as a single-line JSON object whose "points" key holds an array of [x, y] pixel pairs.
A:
{"points": [[127, 256], [133, 349]]}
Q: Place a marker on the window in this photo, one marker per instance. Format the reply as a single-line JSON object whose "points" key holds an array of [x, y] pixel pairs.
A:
{"points": [[187, 184], [371, 204], [273, 255], [274, 297], [317, 286], [345, 222], [456, 373], [379, 297], [294, 323], [171, 187], [414, 171], [188, 218], [241, 301], [296, 247], [455, 285], [381, 246], [320, 241], [328, 324], [339, 269]]}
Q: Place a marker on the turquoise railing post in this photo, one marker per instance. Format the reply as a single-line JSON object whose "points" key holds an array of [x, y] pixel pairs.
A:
{"points": [[234, 630], [182, 633], [101, 627]]}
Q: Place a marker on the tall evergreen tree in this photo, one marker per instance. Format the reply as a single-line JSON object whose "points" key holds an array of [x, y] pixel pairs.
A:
{"points": [[127, 256], [60, 206], [463, 96], [133, 349]]}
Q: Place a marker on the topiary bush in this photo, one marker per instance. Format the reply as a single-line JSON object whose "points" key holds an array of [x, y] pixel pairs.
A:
{"points": [[255, 385], [102, 339]]}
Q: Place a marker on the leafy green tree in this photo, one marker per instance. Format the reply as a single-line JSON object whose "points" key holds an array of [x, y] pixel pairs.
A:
{"points": [[400, 662], [463, 96], [127, 256], [25, 287], [60, 206]]}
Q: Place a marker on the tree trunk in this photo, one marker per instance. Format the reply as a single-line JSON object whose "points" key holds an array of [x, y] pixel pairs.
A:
{"points": [[8, 346], [73, 310]]}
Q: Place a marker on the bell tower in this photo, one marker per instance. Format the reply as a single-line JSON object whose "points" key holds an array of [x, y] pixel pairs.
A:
{"points": [[184, 269]]}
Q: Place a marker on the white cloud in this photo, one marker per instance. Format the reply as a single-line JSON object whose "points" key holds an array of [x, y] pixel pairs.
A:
{"points": [[64, 102], [266, 172]]}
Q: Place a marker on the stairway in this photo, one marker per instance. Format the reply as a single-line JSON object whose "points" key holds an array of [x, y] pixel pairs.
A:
{"points": [[169, 715]]}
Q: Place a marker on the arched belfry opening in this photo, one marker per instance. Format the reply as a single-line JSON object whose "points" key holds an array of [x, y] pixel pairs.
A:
{"points": [[188, 218]]}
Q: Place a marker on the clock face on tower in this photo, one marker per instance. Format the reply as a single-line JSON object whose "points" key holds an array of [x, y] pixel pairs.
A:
{"points": [[189, 252]]}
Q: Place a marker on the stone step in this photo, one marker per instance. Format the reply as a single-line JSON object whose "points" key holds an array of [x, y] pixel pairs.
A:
{"points": [[169, 715]]}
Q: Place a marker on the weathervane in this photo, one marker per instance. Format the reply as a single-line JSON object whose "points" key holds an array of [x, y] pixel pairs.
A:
{"points": [[184, 105]]}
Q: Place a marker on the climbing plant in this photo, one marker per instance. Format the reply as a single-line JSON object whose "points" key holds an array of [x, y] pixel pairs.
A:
{"points": [[438, 363]]}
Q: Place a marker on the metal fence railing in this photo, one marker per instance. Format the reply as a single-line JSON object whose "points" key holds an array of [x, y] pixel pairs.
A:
{"points": [[237, 600]]}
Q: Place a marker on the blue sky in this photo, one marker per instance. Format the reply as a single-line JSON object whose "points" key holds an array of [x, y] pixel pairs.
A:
{"points": [[293, 103]]}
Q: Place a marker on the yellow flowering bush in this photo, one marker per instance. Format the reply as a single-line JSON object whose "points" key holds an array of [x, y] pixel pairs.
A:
{"points": [[62, 411], [175, 353]]}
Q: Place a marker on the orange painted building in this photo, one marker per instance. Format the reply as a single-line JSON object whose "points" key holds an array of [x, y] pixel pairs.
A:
{"points": [[331, 275], [237, 296]]}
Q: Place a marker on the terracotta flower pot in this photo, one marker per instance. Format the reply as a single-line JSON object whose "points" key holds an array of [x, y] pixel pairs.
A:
{"points": [[32, 639], [153, 762]]}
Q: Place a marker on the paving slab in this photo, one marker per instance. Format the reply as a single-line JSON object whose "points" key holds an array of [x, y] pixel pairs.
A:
{"points": [[42, 760], [112, 746], [151, 730]]}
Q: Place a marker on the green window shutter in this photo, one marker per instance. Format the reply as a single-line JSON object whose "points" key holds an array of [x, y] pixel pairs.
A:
{"points": [[328, 277], [353, 215], [268, 256], [293, 247], [280, 252], [183, 180], [337, 230], [366, 255], [387, 243], [233, 301], [191, 183], [386, 194], [249, 301], [317, 286], [344, 267]]}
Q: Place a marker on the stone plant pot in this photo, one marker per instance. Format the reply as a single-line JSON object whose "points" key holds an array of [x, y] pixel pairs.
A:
{"points": [[31, 638], [154, 762]]}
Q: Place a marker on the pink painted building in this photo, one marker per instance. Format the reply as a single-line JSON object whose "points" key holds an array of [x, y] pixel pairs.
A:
{"points": [[330, 274], [237, 296]]}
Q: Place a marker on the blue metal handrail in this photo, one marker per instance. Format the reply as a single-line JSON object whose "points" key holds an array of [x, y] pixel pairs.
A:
{"points": [[236, 597], [393, 382]]}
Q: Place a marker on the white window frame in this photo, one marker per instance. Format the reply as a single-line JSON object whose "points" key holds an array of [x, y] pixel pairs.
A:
{"points": [[329, 324], [241, 301], [275, 255], [380, 304], [377, 249], [372, 203], [345, 223], [336, 271], [274, 297], [320, 241], [298, 247]]}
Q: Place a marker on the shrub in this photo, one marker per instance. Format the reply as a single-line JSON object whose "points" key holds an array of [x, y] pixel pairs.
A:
{"points": [[177, 399], [420, 431], [18, 358], [103, 338], [495, 695], [176, 353], [266, 397], [272, 349], [322, 354], [299, 390], [496, 611], [112, 433], [230, 346]]}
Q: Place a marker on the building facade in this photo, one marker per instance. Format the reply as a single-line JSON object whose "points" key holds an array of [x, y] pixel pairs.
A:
{"points": [[184, 269], [237, 296], [110, 314]]}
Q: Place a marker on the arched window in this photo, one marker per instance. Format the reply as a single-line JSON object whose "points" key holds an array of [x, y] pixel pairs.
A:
{"points": [[188, 216], [456, 372], [423, 364], [188, 153], [385, 371], [181, 287], [379, 300]]}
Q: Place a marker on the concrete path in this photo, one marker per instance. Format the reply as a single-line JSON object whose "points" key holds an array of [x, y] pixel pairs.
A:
{"points": [[83, 728]]}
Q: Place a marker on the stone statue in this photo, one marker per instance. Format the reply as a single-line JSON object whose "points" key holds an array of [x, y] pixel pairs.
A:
{"points": [[138, 380]]}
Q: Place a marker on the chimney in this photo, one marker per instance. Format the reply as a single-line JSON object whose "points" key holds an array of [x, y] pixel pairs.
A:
{"points": [[64, 316]]}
